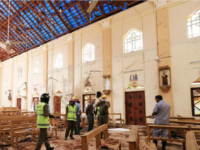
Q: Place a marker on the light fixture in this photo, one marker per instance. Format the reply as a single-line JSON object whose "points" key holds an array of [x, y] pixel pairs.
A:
{"points": [[107, 86]]}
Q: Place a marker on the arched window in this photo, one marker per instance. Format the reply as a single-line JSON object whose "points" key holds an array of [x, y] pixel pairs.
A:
{"points": [[36, 68], [19, 72], [193, 25], [133, 41], [88, 53], [59, 61]]}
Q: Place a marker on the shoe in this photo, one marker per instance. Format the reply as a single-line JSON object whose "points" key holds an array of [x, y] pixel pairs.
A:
{"points": [[164, 145], [72, 138], [155, 142], [51, 148]]}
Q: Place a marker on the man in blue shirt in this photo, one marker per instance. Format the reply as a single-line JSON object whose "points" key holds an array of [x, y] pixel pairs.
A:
{"points": [[162, 115], [78, 120]]}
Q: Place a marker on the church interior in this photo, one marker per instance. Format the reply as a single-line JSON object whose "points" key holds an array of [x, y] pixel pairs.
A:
{"points": [[113, 74]]}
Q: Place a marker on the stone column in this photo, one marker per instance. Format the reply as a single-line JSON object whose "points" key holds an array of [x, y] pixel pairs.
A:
{"points": [[163, 43], [70, 63], [45, 67], [107, 54]]}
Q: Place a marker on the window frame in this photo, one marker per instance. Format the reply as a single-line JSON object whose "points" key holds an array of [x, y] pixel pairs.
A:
{"points": [[90, 51], [191, 24], [55, 61], [19, 70], [133, 41], [192, 101], [37, 68]]}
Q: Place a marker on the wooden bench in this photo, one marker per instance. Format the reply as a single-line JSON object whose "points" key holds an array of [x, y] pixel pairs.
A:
{"points": [[117, 119], [54, 127], [135, 144], [170, 127], [60, 119], [191, 141], [97, 134], [11, 111], [28, 113], [4, 129], [133, 139], [15, 133]]}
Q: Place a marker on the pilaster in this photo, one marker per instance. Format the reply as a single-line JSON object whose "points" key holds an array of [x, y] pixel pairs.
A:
{"points": [[163, 40], [107, 56]]}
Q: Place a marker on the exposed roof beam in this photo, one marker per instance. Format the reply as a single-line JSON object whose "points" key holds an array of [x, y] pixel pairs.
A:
{"points": [[29, 25], [59, 15]]}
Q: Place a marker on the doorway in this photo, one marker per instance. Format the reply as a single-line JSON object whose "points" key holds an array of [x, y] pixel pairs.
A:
{"points": [[19, 103], [57, 104], [135, 108], [87, 100], [35, 102]]}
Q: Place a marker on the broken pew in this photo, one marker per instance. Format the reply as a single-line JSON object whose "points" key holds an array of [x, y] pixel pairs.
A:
{"points": [[97, 134]]}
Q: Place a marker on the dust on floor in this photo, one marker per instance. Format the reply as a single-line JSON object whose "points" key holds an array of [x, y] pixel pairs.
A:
{"points": [[61, 144]]}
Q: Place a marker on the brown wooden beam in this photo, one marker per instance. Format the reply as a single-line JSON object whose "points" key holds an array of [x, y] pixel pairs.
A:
{"points": [[59, 15], [28, 24]]}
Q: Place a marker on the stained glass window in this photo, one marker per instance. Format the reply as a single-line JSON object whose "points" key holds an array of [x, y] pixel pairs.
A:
{"points": [[133, 41], [19, 72], [196, 101], [59, 61], [36, 68], [88, 53], [193, 25]]}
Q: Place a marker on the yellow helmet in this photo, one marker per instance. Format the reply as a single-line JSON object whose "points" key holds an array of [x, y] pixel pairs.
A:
{"points": [[74, 98], [103, 96]]}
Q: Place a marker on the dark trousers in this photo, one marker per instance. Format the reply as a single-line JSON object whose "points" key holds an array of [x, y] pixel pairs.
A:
{"points": [[90, 122], [70, 127], [42, 139], [78, 120], [98, 120], [103, 119]]}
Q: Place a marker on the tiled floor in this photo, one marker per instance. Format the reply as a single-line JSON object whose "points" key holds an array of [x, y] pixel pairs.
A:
{"points": [[61, 144]]}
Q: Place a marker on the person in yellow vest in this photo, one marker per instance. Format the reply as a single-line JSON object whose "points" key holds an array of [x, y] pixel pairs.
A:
{"points": [[104, 106], [71, 111], [97, 112], [42, 111]]}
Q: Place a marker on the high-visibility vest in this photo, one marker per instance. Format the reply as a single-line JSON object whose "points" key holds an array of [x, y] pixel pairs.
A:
{"points": [[98, 111], [42, 121], [71, 115]]}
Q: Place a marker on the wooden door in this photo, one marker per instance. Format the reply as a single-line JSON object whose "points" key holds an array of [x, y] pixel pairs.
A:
{"points": [[19, 103], [57, 104], [35, 102], [135, 108]]}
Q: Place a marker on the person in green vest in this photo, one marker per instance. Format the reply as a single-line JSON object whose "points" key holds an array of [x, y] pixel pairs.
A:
{"points": [[43, 114], [97, 112], [71, 111]]}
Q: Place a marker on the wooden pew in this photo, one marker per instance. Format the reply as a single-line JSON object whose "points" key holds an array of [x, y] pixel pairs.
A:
{"points": [[133, 139], [28, 113], [61, 121], [6, 128], [117, 119], [21, 132], [169, 127], [54, 126], [97, 134], [191, 141], [135, 144], [11, 111]]}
